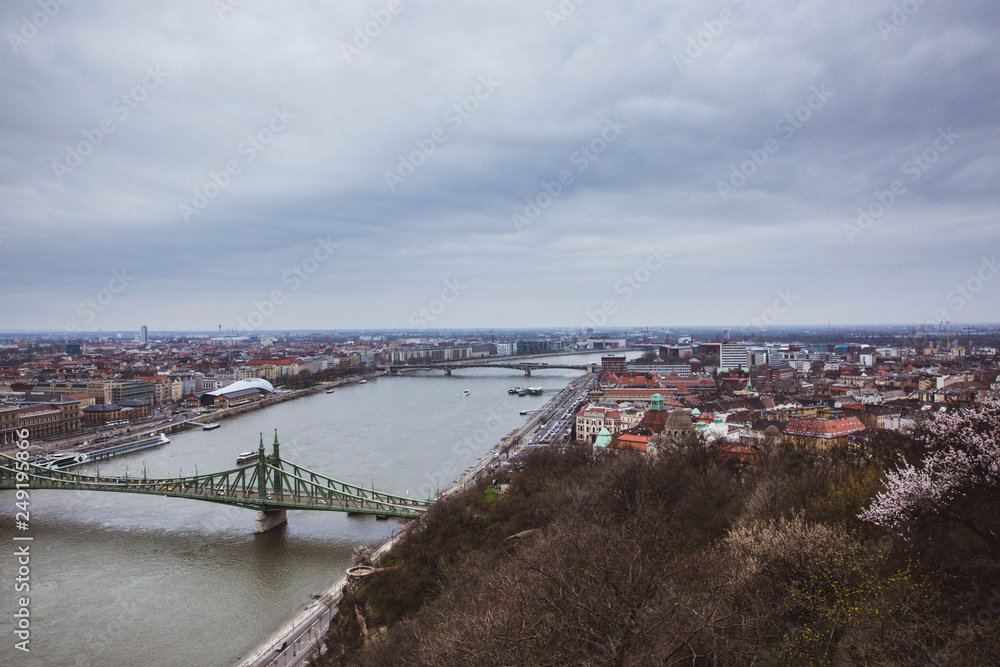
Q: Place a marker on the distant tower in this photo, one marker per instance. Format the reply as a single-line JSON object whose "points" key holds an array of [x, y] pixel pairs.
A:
{"points": [[143, 335]]}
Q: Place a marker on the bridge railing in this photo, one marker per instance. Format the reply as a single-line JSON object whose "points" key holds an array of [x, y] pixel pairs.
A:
{"points": [[297, 481]]}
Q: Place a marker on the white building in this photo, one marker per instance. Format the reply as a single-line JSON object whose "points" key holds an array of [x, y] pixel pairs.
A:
{"points": [[733, 355]]}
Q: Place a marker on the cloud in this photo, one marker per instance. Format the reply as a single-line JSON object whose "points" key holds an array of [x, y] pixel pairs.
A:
{"points": [[221, 80]]}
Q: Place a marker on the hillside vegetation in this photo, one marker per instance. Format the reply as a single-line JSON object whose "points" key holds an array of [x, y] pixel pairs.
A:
{"points": [[887, 556]]}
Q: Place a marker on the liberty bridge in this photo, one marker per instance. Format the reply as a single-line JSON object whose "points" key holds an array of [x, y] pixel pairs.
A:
{"points": [[271, 486]]}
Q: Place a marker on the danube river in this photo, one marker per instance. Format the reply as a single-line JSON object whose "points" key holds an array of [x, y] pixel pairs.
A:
{"points": [[120, 579]]}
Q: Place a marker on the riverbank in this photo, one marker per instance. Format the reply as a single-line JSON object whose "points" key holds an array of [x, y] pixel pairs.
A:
{"points": [[75, 442], [299, 635]]}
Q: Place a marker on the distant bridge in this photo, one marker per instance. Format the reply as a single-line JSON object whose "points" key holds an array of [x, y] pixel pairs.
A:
{"points": [[270, 486], [524, 366]]}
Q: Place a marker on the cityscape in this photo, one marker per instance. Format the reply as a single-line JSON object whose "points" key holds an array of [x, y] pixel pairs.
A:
{"points": [[371, 334]]}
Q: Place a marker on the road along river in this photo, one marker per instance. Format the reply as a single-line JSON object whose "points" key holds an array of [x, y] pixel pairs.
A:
{"points": [[123, 579]]}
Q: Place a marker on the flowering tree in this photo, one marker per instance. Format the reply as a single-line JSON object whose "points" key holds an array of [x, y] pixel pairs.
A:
{"points": [[957, 479]]}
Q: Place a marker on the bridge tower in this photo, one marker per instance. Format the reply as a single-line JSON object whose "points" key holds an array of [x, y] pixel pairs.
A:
{"points": [[527, 372], [267, 519]]}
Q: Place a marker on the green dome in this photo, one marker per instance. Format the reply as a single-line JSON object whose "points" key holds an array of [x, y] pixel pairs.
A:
{"points": [[701, 426], [718, 420], [656, 402], [696, 412], [603, 438]]}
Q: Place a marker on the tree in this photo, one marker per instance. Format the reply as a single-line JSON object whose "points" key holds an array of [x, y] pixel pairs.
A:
{"points": [[649, 356], [957, 480]]}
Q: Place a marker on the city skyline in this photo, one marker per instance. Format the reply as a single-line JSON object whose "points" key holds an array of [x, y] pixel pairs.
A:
{"points": [[387, 166]]}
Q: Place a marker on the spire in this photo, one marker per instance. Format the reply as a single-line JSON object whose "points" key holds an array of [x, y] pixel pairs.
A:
{"points": [[276, 456]]}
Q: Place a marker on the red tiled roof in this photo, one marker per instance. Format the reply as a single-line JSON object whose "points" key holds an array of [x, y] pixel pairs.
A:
{"points": [[825, 429]]}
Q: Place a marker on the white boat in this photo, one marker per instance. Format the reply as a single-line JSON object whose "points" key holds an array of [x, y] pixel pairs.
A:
{"points": [[247, 457], [465, 393], [61, 461], [210, 427], [362, 381], [330, 391]]}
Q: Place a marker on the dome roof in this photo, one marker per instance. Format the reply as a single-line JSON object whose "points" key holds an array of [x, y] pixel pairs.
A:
{"points": [[240, 385], [772, 431], [696, 412], [656, 402], [603, 438], [679, 419]]}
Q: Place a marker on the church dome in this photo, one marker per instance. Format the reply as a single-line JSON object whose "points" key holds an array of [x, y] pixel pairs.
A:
{"points": [[679, 420]]}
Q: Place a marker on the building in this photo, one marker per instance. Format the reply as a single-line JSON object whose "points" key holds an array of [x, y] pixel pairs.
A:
{"points": [[593, 418], [70, 418], [8, 425], [733, 355], [134, 410], [41, 421], [161, 388], [101, 414], [613, 364], [237, 393], [143, 335], [822, 433], [683, 370]]}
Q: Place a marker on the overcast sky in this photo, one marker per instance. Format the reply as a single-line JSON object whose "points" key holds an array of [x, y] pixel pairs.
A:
{"points": [[715, 159]]}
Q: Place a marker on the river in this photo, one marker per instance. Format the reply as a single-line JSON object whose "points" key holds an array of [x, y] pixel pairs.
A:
{"points": [[119, 579]]}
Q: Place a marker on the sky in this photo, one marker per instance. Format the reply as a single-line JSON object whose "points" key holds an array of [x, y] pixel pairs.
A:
{"points": [[392, 164]]}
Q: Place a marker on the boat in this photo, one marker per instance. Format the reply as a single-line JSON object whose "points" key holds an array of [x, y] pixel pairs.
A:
{"points": [[210, 427], [362, 381], [63, 461], [247, 457], [330, 391], [534, 391], [514, 390], [154, 440], [465, 393], [522, 392]]}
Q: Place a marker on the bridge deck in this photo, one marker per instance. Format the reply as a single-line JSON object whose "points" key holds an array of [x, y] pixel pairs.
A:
{"points": [[270, 484]]}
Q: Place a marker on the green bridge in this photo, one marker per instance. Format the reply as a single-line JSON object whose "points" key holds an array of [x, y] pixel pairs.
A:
{"points": [[270, 486]]}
